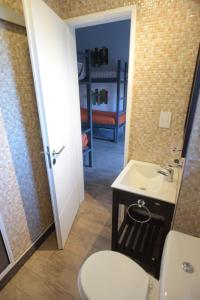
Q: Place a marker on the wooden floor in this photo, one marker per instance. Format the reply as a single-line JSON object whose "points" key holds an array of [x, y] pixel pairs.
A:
{"points": [[51, 274]]}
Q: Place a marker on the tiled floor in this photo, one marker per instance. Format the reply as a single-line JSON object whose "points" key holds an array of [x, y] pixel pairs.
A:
{"points": [[52, 274], [108, 162]]}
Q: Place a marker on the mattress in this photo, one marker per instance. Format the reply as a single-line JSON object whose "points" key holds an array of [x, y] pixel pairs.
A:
{"points": [[103, 117], [84, 140], [98, 74]]}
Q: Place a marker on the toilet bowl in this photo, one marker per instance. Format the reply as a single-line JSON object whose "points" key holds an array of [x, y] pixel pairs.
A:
{"points": [[109, 275]]}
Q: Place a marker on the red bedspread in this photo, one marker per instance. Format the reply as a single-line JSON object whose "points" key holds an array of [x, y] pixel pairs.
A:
{"points": [[103, 117], [84, 140]]}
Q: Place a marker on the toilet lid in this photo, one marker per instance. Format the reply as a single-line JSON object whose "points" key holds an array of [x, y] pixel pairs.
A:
{"points": [[111, 275]]}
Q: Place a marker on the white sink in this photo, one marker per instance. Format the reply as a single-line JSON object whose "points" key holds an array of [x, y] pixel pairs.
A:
{"points": [[143, 178]]}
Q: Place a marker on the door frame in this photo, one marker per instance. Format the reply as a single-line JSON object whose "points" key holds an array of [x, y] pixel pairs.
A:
{"points": [[109, 16]]}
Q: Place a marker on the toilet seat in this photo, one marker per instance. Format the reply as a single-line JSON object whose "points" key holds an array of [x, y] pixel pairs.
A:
{"points": [[110, 275]]}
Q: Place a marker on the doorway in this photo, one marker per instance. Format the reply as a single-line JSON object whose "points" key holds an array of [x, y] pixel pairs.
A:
{"points": [[103, 53], [56, 86], [105, 17]]}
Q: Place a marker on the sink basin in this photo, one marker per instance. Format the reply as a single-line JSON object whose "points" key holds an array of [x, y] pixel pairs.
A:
{"points": [[143, 178]]}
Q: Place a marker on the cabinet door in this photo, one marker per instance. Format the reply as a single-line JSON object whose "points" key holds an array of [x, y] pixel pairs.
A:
{"points": [[156, 207]]}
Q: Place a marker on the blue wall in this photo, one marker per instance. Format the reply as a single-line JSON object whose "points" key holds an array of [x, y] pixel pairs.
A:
{"points": [[114, 36]]}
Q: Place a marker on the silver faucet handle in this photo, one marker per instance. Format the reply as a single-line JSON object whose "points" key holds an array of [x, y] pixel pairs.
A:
{"points": [[167, 171], [178, 163], [167, 167], [170, 170]]}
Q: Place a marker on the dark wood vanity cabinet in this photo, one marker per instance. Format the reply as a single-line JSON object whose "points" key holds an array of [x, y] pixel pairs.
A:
{"points": [[143, 242]]}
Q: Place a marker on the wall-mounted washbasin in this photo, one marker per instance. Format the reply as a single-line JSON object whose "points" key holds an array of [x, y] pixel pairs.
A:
{"points": [[143, 178]]}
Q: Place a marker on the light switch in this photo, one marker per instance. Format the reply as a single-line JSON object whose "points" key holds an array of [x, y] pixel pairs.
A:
{"points": [[165, 119]]}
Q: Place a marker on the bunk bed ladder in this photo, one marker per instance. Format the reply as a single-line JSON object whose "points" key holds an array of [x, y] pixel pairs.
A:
{"points": [[87, 128], [89, 106], [118, 122], [116, 129]]}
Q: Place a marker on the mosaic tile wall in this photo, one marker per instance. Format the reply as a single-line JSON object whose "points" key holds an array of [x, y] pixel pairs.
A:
{"points": [[24, 194], [163, 76], [188, 208], [167, 40], [163, 72], [56, 5]]}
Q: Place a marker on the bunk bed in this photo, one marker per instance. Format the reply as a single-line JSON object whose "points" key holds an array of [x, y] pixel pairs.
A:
{"points": [[86, 127], [104, 119]]}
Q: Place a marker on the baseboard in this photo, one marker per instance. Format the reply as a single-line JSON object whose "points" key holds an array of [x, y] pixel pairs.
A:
{"points": [[21, 261]]}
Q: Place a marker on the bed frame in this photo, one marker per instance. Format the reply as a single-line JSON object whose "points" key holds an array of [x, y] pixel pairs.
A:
{"points": [[87, 126], [119, 81], [115, 128]]}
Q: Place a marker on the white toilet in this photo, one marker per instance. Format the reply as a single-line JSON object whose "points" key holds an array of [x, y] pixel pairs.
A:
{"points": [[109, 275]]}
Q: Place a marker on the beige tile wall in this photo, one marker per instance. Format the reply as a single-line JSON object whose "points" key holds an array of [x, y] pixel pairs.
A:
{"points": [[167, 40], [167, 37], [24, 194]]}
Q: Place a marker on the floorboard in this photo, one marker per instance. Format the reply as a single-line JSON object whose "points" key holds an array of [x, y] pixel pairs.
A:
{"points": [[52, 274]]}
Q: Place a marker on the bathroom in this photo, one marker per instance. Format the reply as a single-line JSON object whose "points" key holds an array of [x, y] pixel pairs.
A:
{"points": [[167, 40]]}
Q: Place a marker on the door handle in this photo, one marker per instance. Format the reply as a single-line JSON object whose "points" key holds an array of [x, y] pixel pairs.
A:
{"points": [[56, 154], [59, 152]]}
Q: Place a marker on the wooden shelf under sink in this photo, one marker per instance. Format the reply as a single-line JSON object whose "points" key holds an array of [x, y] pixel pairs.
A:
{"points": [[143, 242]]}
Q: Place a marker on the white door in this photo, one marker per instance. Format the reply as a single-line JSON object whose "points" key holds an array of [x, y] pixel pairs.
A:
{"points": [[53, 55]]}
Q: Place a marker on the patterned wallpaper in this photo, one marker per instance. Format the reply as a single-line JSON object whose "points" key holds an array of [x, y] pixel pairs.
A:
{"points": [[188, 208], [24, 195], [167, 37]]}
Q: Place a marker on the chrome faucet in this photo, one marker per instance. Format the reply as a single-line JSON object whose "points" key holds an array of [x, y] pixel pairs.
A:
{"points": [[177, 163], [168, 172]]}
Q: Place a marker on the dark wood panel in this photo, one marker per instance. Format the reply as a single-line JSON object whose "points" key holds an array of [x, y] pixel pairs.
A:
{"points": [[143, 242]]}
